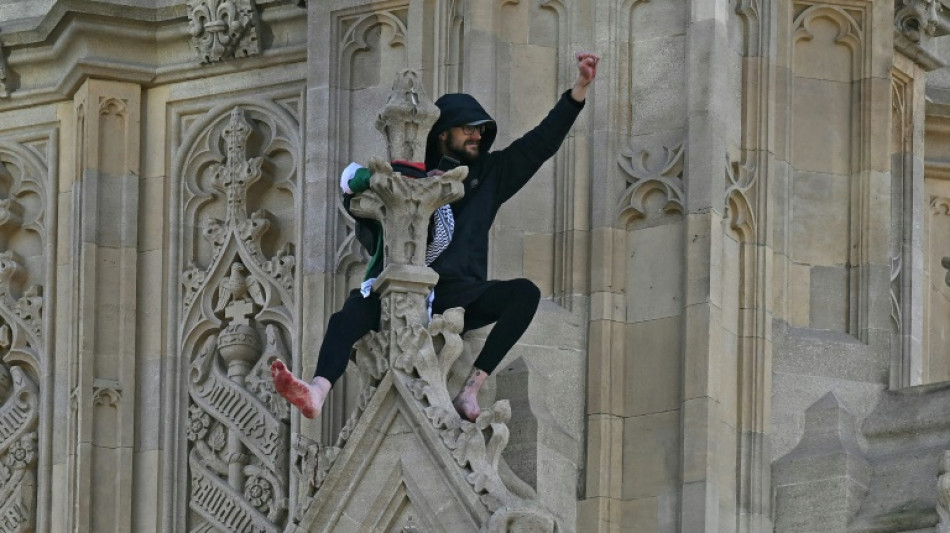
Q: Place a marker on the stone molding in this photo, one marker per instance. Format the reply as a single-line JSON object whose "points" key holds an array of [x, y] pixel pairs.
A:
{"points": [[147, 45]]}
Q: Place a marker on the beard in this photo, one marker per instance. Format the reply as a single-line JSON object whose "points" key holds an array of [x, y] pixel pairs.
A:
{"points": [[465, 150]]}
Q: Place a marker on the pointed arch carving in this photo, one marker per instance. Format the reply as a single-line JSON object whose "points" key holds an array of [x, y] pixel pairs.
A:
{"points": [[356, 30], [237, 170], [112, 106], [850, 31]]}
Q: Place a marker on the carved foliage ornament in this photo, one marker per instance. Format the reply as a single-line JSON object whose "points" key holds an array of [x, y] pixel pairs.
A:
{"points": [[222, 29], [231, 180], [649, 173], [22, 230], [237, 313]]}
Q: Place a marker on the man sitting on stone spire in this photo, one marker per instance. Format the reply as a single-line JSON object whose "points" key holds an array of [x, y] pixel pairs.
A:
{"points": [[458, 247]]}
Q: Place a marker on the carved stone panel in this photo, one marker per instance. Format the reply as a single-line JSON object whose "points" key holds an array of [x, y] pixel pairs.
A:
{"points": [[238, 315], [23, 235]]}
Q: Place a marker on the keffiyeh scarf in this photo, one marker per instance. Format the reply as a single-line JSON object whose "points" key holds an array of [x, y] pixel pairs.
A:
{"points": [[444, 227]]}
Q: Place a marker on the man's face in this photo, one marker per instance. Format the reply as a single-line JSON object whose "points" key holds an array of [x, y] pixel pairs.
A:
{"points": [[460, 145]]}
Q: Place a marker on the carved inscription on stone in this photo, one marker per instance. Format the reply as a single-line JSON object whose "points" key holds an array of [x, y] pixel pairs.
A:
{"points": [[237, 320]]}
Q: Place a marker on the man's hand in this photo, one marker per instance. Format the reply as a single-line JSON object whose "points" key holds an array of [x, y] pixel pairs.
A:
{"points": [[587, 71]]}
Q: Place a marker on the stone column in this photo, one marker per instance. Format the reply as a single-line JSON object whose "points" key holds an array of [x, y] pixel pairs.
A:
{"points": [[99, 333]]}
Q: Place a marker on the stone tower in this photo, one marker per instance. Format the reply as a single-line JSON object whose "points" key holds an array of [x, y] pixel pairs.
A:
{"points": [[745, 323]]}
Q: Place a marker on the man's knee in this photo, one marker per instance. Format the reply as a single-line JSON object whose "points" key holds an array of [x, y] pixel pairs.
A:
{"points": [[525, 290]]}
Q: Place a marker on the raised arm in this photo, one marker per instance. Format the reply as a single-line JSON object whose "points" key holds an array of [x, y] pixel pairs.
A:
{"points": [[524, 157]]}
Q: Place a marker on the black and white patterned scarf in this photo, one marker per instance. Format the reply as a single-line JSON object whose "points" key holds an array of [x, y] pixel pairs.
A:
{"points": [[444, 227]]}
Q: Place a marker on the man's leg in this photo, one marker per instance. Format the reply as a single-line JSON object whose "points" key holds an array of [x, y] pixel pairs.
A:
{"points": [[358, 317], [511, 305]]}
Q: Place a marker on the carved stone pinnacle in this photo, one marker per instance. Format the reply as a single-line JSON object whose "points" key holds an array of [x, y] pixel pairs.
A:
{"points": [[406, 118], [404, 206]]}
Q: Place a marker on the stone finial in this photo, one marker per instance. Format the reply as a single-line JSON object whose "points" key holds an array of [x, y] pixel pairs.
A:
{"points": [[404, 206], [406, 118], [916, 24]]}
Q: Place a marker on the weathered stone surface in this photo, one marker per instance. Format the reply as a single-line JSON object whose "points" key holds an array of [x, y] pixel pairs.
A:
{"points": [[749, 214], [821, 483]]}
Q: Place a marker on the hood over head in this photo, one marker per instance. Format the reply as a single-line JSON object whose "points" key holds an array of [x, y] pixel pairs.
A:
{"points": [[459, 109]]}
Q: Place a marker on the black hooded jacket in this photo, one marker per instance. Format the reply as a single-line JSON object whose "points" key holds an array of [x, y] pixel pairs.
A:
{"points": [[492, 179]]}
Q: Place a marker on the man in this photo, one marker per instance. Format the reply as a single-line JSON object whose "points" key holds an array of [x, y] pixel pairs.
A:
{"points": [[465, 132]]}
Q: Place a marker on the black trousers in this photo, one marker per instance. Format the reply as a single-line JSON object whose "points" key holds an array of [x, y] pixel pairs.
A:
{"points": [[510, 305]]}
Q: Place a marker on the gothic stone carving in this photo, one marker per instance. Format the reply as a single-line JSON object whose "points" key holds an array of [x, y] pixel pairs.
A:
{"points": [[19, 416], [221, 29], [22, 230], [646, 177], [406, 118], [917, 19], [740, 181], [404, 206], [237, 312], [916, 24]]}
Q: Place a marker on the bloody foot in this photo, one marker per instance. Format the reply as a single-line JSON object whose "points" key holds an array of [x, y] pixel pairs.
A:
{"points": [[308, 397]]}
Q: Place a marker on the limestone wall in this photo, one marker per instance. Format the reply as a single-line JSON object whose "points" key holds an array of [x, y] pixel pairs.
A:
{"points": [[739, 249]]}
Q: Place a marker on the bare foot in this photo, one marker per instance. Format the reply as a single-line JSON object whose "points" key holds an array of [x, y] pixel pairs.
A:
{"points": [[466, 401], [467, 407], [308, 397]]}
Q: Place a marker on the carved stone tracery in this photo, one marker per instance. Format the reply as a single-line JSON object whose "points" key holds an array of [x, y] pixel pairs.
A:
{"points": [[648, 175], [22, 346], [237, 315]]}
